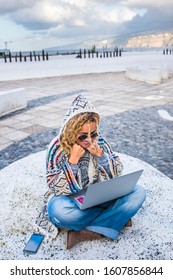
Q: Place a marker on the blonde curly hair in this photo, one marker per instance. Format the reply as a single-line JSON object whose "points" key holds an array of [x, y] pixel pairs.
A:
{"points": [[73, 126]]}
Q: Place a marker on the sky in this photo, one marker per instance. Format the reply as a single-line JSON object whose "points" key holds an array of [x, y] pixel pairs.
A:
{"points": [[39, 24]]}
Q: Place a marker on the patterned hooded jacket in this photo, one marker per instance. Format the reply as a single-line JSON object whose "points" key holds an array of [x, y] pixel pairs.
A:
{"points": [[59, 174]]}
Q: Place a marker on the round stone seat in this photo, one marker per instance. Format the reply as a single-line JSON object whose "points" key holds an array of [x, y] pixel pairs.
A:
{"points": [[23, 186]]}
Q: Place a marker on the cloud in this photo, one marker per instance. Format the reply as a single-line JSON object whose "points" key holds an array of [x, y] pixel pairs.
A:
{"points": [[44, 14], [88, 19], [154, 20], [11, 6]]}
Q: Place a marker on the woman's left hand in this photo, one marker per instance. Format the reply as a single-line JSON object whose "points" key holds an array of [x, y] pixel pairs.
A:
{"points": [[95, 149]]}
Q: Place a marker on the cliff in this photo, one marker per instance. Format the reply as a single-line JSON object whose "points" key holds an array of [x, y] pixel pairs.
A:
{"points": [[157, 41]]}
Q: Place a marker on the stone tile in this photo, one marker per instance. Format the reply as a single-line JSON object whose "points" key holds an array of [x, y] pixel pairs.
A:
{"points": [[54, 116], [5, 130], [4, 141], [40, 108], [34, 129], [51, 109], [21, 125], [24, 117], [61, 105], [40, 113], [53, 123], [8, 121], [37, 120], [17, 135]]}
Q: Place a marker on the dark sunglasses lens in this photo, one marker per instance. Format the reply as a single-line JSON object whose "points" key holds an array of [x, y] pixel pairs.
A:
{"points": [[94, 135], [82, 137]]}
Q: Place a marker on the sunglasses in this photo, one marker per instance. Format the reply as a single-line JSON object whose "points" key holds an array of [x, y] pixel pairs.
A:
{"points": [[85, 136]]}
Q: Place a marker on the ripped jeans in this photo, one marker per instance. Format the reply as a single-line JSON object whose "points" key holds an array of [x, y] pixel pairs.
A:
{"points": [[107, 219]]}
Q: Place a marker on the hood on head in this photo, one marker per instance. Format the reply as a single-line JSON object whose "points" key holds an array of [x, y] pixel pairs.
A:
{"points": [[79, 105]]}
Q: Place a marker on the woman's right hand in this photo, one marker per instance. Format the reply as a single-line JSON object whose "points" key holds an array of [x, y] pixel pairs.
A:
{"points": [[76, 153]]}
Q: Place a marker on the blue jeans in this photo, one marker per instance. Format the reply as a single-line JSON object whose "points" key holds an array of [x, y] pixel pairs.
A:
{"points": [[107, 219]]}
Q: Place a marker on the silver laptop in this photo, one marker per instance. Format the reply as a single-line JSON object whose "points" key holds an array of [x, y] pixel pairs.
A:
{"points": [[105, 191]]}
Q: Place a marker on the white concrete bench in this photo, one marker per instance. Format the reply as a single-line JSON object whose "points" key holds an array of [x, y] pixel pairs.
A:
{"points": [[144, 75], [148, 75], [12, 100]]}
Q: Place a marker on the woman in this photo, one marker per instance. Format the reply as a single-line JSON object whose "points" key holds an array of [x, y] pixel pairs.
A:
{"points": [[78, 157]]}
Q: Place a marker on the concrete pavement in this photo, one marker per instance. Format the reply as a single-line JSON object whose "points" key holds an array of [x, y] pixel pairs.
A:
{"points": [[48, 99]]}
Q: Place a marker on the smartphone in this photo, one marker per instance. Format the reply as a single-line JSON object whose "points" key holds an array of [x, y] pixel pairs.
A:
{"points": [[33, 243]]}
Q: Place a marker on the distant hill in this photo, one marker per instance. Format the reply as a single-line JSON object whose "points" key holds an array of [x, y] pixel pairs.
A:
{"points": [[150, 41], [125, 41], [109, 43]]}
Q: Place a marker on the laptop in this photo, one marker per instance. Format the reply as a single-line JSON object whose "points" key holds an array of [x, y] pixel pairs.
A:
{"points": [[105, 191]]}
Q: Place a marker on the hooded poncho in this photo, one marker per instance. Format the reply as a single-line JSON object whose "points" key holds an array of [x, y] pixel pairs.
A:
{"points": [[60, 177]]}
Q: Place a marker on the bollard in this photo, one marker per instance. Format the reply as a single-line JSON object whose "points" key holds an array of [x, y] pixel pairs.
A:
{"points": [[16, 57], [38, 57], [5, 58], [47, 56], [20, 56], [80, 53], [35, 57], [43, 55], [10, 57], [30, 55], [84, 53], [25, 58]]}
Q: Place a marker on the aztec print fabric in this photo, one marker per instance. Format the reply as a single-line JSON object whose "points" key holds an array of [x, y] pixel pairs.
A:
{"points": [[59, 175]]}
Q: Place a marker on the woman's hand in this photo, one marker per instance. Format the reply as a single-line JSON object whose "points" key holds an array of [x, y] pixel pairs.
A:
{"points": [[95, 149], [76, 153]]}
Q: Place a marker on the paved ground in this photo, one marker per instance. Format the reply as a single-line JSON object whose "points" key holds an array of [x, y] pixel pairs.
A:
{"points": [[129, 110]]}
